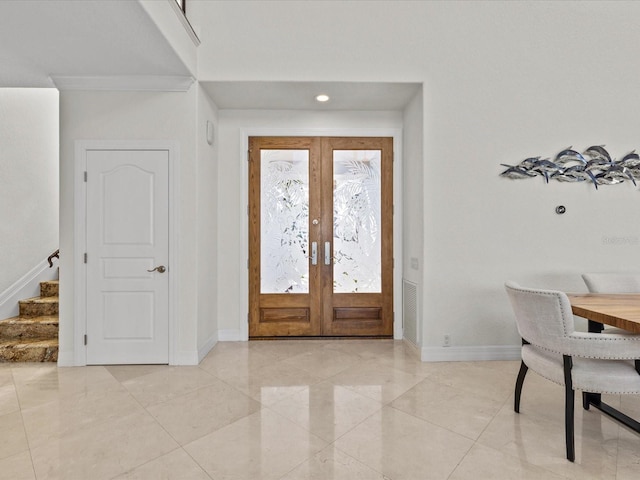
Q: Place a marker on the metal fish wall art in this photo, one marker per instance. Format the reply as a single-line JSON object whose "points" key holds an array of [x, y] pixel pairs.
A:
{"points": [[594, 165]]}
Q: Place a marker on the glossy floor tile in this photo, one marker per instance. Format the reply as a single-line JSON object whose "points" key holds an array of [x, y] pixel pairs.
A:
{"points": [[301, 410]]}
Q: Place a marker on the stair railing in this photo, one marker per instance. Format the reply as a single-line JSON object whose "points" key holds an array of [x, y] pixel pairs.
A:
{"points": [[55, 254]]}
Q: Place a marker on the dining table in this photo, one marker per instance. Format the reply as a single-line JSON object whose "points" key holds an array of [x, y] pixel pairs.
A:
{"points": [[621, 310]]}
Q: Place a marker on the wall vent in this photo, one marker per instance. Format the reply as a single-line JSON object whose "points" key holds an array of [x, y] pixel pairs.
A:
{"points": [[410, 311]]}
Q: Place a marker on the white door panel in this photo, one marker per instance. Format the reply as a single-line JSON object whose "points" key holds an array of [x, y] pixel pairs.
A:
{"points": [[127, 235]]}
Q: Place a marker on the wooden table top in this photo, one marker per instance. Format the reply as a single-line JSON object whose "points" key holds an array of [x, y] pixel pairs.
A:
{"points": [[620, 310]]}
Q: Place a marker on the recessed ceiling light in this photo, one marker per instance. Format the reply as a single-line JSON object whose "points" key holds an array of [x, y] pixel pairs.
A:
{"points": [[322, 98]]}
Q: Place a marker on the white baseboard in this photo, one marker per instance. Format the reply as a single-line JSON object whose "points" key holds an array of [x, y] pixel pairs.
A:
{"points": [[26, 287], [413, 348], [66, 359], [206, 348], [186, 357], [470, 354], [231, 335]]}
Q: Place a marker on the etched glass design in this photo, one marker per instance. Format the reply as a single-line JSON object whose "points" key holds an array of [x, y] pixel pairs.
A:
{"points": [[357, 246], [284, 221]]}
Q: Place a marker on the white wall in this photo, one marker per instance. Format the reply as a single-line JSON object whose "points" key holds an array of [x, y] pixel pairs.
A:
{"points": [[28, 180], [502, 81], [516, 80], [134, 116], [166, 17], [207, 231], [413, 204], [232, 189]]}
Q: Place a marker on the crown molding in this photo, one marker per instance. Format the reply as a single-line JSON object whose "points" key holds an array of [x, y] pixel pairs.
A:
{"points": [[151, 83]]}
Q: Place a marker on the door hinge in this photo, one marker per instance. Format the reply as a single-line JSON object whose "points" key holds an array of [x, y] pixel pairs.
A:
{"points": [[248, 318], [85, 176], [85, 339], [85, 258]]}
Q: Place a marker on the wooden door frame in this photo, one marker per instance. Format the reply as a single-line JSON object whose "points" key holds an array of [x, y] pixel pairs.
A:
{"points": [[80, 237], [396, 134]]}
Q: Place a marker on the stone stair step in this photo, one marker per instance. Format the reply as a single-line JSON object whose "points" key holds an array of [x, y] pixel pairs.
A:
{"points": [[29, 327], [49, 288], [38, 306], [29, 350]]}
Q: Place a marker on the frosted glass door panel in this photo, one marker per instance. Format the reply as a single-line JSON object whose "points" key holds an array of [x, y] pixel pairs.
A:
{"points": [[284, 221], [357, 250]]}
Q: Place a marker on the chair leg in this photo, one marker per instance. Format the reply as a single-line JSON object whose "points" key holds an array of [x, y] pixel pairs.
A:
{"points": [[519, 383], [585, 400], [568, 408]]}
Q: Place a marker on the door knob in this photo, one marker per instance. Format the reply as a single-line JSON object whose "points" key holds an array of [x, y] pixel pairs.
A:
{"points": [[160, 269]]}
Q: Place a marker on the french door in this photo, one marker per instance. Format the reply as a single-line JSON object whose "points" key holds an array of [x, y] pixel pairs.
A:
{"points": [[320, 236]]}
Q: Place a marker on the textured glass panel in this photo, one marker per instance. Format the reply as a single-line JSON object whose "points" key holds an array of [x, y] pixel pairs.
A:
{"points": [[357, 250], [284, 223]]}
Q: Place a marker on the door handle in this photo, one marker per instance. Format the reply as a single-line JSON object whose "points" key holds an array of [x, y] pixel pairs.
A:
{"points": [[160, 269], [314, 253], [327, 253]]}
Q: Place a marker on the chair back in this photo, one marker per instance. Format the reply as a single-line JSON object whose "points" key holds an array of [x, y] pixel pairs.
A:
{"points": [[612, 282], [543, 317]]}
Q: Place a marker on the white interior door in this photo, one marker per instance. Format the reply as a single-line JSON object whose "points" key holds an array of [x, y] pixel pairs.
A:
{"points": [[127, 252]]}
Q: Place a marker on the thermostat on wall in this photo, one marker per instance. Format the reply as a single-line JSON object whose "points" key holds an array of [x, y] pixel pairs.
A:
{"points": [[209, 132]]}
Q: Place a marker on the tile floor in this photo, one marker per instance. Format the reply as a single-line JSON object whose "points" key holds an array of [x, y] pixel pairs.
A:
{"points": [[293, 410]]}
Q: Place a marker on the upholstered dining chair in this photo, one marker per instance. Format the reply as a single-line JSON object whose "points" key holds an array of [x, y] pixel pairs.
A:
{"points": [[590, 362], [612, 282]]}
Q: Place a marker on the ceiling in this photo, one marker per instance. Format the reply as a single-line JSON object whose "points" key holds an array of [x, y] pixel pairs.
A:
{"points": [[301, 95], [40, 39]]}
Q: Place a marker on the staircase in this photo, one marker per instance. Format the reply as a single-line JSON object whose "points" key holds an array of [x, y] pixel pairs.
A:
{"points": [[33, 335]]}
